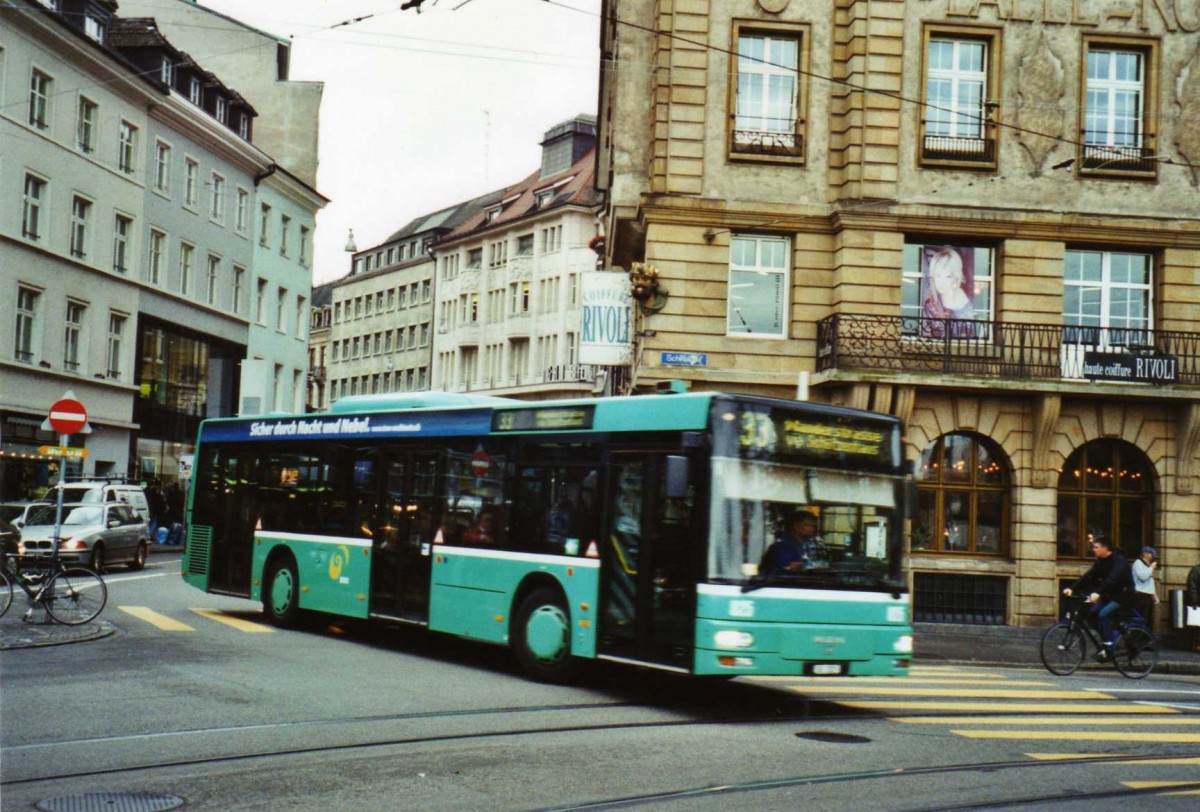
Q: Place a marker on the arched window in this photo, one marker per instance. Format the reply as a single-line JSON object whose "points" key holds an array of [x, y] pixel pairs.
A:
{"points": [[1106, 488], [962, 487]]}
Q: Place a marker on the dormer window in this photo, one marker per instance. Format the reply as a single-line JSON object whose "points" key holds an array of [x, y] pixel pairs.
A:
{"points": [[542, 199], [194, 94], [493, 213], [166, 71], [94, 27], [222, 110], [244, 126]]}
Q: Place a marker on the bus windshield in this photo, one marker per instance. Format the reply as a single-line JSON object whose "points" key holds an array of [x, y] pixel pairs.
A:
{"points": [[775, 524]]}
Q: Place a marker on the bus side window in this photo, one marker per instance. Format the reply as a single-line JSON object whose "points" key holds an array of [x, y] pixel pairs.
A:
{"points": [[529, 512]]}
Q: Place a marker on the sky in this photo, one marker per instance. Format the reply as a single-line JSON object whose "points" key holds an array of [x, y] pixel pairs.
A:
{"points": [[421, 111]]}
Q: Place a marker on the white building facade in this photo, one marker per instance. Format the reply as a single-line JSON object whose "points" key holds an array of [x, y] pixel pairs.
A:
{"points": [[508, 287]]}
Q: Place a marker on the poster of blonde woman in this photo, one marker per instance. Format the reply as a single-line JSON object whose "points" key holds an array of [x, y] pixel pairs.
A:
{"points": [[947, 282]]}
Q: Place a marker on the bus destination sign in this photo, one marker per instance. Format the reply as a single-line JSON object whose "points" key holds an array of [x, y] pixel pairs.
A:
{"points": [[544, 419], [776, 433]]}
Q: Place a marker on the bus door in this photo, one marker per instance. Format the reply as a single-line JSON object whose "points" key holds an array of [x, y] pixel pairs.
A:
{"points": [[403, 545], [647, 589], [230, 504]]}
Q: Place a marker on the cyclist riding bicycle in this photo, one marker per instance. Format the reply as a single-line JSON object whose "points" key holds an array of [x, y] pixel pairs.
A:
{"points": [[1110, 581]]}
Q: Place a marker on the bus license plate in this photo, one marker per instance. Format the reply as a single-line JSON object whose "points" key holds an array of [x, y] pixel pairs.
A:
{"points": [[827, 669]]}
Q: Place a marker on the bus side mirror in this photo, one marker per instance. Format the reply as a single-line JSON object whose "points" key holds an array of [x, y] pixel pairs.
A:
{"points": [[677, 477]]}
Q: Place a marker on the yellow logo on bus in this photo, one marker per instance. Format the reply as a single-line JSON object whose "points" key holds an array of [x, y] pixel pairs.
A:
{"points": [[338, 560]]}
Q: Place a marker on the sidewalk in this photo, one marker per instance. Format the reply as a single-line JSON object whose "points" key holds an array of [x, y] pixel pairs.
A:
{"points": [[40, 630], [1004, 645]]}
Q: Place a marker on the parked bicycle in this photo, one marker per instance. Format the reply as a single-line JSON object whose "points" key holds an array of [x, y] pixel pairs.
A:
{"points": [[71, 595], [1064, 645]]}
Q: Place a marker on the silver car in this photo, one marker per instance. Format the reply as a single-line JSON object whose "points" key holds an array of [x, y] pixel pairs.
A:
{"points": [[17, 512], [93, 534]]}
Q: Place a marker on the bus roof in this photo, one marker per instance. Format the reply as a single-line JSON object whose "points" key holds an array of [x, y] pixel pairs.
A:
{"points": [[450, 413]]}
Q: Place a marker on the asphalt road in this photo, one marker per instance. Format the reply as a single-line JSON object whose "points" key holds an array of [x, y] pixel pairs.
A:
{"points": [[191, 698]]}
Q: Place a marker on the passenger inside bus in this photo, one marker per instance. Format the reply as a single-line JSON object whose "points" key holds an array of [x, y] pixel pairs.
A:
{"points": [[484, 530]]}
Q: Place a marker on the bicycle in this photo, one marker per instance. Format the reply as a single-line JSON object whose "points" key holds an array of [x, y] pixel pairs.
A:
{"points": [[1064, 645], [70, 595]]}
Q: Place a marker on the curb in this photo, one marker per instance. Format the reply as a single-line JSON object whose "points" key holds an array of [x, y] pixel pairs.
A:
{"points": [[60, 636]]}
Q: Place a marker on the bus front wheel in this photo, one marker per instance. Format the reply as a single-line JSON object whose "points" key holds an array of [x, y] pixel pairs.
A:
{"points": [[281, 593], [542, 636]]}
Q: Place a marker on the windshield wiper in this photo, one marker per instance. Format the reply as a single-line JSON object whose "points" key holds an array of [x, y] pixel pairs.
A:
{"points": [[772, 580]]}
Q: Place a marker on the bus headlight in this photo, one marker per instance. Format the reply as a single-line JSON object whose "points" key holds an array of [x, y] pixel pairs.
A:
{"points": [[732, 639], [904, 643]]}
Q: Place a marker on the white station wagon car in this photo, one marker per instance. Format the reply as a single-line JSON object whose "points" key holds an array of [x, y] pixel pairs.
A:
{"points": [[93, 534]]}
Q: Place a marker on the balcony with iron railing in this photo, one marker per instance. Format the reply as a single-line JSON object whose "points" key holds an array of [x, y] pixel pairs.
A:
{"points": [[1101, 157], [779, 143], [959, 150], [1007, 350]]}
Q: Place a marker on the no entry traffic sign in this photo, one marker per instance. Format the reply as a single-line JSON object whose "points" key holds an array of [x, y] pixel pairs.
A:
{"points": [[68, 416]]}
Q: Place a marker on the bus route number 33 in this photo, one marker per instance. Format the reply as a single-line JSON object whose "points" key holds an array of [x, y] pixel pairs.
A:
{"points": [[756, 430]]}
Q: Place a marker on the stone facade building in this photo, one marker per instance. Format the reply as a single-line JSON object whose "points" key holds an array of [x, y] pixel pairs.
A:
{"points": [[983, 218]]}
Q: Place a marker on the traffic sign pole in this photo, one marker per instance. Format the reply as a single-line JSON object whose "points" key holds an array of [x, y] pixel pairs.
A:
{"points": [[67, 416], [63, 439]]}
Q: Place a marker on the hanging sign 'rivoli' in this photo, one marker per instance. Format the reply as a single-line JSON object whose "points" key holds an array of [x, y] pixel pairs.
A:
{"points": [[606, 335]]}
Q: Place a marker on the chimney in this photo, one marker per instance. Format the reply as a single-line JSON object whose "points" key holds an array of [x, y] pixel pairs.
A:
{"points": [[566, 143]]}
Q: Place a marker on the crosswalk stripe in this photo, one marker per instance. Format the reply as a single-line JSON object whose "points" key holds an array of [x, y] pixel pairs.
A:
{"points": [[1156, 736], [235, 622], [918, 681], [850, 687], [1007, 707], [917, 670], [1130, 760], [1045, 720], [163, 622], [1193, 786]]}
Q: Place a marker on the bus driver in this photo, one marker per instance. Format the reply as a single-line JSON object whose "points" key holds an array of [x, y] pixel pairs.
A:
{"points": [[796, 550]]}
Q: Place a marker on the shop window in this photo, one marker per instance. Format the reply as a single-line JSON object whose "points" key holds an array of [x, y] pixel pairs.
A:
{"points": [[963, 497], [1105, 488]]}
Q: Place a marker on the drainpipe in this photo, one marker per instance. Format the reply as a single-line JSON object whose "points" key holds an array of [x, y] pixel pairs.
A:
{"points": [[270, 171]]}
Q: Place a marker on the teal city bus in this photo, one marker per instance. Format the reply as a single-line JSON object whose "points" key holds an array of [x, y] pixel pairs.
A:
{"points": [[630, 529]]}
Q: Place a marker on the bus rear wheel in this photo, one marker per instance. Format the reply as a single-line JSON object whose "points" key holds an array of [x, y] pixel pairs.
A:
{"points": [[281, 593], [542, 636]]}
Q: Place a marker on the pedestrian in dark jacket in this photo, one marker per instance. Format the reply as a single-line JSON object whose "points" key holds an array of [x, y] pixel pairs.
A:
{"points": [[157, 505], [1193, 601], [1108, 585]]}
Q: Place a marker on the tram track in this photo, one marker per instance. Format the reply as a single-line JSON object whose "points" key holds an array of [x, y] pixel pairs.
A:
{"points": [[348, 734], [695, 794], [153, 739]]}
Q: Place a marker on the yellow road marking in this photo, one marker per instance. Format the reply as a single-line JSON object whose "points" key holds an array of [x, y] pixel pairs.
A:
{"points": [[163, 622], [1044, 720], [914, 672], [235, 622], [1193, 787], [1129, 760], [948, 680], [851, 688], [1005, 707], [1064, 756], [1156, 736]]}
